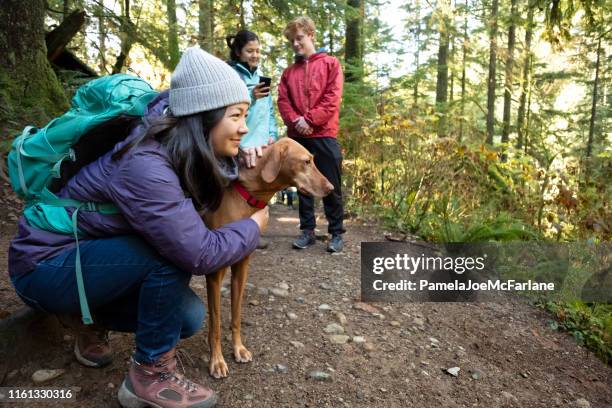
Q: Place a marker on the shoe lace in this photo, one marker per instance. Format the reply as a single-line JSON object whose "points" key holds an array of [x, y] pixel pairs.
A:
{"points": [[179, 378]]}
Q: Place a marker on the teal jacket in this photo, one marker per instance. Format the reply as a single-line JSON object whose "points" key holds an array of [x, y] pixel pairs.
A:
{"points": [[261, 120]]}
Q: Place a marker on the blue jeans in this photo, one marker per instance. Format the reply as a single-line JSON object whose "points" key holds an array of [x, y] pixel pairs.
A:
{"points": [[129, 287]]}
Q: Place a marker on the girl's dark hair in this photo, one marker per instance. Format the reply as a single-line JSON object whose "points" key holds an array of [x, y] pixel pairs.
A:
{"points": [[187, 140], [238, 41]]}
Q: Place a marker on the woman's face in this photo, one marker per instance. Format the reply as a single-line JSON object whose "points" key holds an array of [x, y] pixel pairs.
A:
{"points": [[226, 135], [250, 53]]}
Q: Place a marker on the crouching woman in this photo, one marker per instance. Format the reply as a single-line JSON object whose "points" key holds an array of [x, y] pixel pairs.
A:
{"points": [[137, 265]]}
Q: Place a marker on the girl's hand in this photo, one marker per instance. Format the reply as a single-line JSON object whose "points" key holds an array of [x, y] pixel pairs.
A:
{"points": [[261, 217], [260, 92]]}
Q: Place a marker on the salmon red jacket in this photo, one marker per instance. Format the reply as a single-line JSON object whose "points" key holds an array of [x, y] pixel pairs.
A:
{"points": [[312, 88]]}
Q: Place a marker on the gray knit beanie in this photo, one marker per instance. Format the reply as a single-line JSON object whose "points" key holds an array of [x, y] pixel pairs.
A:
{"points": [[203, 82]]}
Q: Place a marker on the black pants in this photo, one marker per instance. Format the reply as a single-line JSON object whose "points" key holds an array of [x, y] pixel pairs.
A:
{"points": [[328, 159]]}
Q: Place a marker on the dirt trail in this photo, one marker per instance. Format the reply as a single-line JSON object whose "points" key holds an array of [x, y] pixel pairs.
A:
{"points": [[507, 355]]}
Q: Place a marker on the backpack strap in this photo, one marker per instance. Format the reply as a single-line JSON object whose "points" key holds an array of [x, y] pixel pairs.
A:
{"points": [[85, 313], [49, 198]]}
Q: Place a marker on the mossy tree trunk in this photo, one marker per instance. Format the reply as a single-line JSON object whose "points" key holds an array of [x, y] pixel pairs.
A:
{"points": [[30, 93]]}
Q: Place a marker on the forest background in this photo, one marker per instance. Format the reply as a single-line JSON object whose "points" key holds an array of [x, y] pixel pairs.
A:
{"points": [[462, 120]]}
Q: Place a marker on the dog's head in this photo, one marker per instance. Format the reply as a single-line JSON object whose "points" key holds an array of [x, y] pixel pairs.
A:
{"points": [[288, 163]]}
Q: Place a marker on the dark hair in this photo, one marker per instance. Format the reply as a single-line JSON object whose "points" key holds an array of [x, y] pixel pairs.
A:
{"points": [[237, 42], [187, 141]]}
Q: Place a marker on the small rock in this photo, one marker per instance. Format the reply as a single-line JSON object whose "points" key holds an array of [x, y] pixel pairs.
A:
{"points": [[279, 292], [339, 338], [368, 347], [582, 403], [225, 291], [358, 339], [300, 300], [283, 285], [263, 291], [365, 307], [324, 286], [254, 302], [111, 385], [67, 337], [418, 321], [524, 375], [379, 315], [12, 374], [76, 389], [341, 318], [425, 363], [197, 286], [319, 375], [509, 396], [249, 285], [248, 397], [297, 344], [395, 323], [454, 371], [333, 328], [281, 368], [291, 316], [42, 376], [324, 307], [434, 340], [477, 374]]}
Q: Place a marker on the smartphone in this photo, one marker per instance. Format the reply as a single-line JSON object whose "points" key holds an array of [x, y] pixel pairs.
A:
{"points": [[267, 81]]}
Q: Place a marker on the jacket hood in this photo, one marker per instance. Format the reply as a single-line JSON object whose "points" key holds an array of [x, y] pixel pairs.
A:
{"points": [[321, 52]]}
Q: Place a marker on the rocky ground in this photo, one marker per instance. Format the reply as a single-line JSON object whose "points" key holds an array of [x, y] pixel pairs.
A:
{"points": [[316, 345]]}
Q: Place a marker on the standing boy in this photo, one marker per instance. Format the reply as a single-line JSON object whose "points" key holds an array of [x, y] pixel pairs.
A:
{"points": [[309, 97]]}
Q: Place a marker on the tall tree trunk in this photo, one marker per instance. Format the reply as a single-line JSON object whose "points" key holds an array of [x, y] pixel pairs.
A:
{"points": [[206, 25], [29, 90], [529, 93], [242, 17], [101, 40], [353, 50], [509, 76], [492, 65], [465, 39], [127, 36], [442, 77], [520, 120], [173, 47], [594, 103], [66, 9], [415, 91], [451, 61]]}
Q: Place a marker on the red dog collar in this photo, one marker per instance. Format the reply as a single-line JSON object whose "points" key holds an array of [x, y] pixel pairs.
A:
{"points": [[252, 201]]}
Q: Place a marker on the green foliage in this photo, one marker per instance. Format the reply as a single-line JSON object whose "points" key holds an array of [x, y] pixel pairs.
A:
{"points": [[589, 324]]}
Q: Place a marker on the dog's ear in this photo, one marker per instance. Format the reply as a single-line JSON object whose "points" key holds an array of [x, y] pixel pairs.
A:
{"points": [[273, 165]]}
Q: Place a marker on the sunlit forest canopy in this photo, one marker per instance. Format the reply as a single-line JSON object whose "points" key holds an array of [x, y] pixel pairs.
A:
{"points": [[457, 115]]}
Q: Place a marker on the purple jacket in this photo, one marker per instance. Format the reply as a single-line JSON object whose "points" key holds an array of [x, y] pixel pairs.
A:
{"points": [[144, 186]]}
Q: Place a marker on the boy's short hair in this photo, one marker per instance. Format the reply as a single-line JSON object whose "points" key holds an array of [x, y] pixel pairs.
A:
{"points": [[304, 23]]}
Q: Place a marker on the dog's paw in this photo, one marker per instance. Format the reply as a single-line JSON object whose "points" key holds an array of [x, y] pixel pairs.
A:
{"points": [[218, 368], [242, 355]]}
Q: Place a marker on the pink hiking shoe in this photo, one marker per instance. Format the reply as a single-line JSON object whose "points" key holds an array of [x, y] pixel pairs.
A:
{"points": [[159, 385]]}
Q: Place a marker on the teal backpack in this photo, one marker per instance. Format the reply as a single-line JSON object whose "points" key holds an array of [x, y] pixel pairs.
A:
{"points": [[42, 160]]}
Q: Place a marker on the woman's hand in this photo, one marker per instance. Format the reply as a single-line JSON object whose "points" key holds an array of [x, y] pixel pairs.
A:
{"points": [[250, 155], [261, 217], [260, 91]]}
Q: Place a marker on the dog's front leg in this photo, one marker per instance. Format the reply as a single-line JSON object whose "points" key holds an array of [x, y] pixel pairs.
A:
{"points": [[216, 364], [240, 273]]}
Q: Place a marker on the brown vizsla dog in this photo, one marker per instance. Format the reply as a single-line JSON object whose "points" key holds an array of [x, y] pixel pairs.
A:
{"points": [[283, 164]]}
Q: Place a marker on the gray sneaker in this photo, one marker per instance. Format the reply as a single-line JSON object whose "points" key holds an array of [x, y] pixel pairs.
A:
{"points": [[305, 240], [335, 244]]}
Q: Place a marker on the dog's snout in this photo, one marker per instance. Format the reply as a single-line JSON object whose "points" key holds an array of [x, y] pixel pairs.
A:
{"points": [[329, 187]]}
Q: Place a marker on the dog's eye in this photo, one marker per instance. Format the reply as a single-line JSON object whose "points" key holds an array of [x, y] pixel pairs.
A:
{"points": [[307, 162]]}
